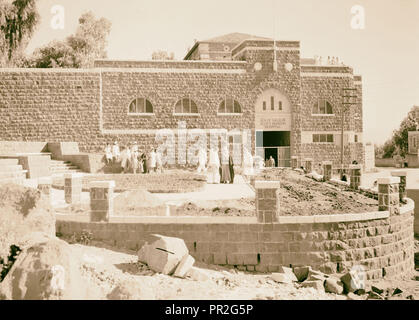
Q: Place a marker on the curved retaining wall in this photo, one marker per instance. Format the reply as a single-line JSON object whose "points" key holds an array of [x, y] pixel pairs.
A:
{"points": [[383, 244]]}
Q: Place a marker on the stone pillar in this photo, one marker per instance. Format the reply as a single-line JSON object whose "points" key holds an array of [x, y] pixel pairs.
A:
{"points": [[388, 195], [402, 186], [294, 162], [101, 200], [267, 201], [44, 185], [308, 164], [355, 176], [327, 170], [72, 187]]}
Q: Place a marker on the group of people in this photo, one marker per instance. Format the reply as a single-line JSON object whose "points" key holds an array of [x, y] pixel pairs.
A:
{"points": [[132, 159], [221, 171]]}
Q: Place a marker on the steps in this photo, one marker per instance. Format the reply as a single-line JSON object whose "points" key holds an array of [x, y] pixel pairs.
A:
{"points": [[11, 172], [58, 167]]}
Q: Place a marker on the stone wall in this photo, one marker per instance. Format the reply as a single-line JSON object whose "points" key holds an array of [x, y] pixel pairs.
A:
{"points": [[332, 243], [90, 107]]}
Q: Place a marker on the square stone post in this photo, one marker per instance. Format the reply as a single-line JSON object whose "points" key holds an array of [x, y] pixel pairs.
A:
{"points": [[308, 165], [355, 176], [402, 186], [72, 187], [44, 185], [327, 170], [267, 201], [294, 162], [388, 195], [101, 200]]}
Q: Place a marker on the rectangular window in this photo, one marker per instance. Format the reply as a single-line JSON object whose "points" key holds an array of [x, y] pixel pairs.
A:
{"points": [[330, 138], [272, 103], [356, 138], [323, 138], [316, 138], [264, 105], [280, 105]]}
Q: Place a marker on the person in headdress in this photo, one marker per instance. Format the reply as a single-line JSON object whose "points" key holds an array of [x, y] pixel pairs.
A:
{"points": [[153, 160], [213, 173], [108, 153], [115, 152], [225, 169], [159, 162], [247, 163], [202, 160], [135, 158], [231, 167]]}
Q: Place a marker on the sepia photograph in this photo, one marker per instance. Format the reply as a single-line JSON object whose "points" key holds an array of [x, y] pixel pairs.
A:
{"points": [[199, 152]]}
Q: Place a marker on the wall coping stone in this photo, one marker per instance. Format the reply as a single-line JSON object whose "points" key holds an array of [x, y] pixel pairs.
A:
{"points": [[102, 184], [45, 180], [388, 180], [355, 166], [262, 184], [73, 175], [398, 173]]}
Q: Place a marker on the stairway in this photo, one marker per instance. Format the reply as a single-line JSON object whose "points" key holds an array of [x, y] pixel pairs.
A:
{"points": [[58, 167], [11, 171]]}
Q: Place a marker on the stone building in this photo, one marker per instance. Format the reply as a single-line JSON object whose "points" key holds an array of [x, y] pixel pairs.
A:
{"points": [[292, 106]]}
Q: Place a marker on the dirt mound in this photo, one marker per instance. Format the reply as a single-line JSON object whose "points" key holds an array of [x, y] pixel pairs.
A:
{"points": [[22, 212], [138, 202], [236, 207], [304, 196]]}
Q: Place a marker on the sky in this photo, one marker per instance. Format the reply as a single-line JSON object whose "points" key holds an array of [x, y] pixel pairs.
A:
{"points": [[385, 52]]}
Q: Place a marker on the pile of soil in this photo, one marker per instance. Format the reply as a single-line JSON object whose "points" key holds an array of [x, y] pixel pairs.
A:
{"points": [[138, 202], [304, 196], [244, 207]]}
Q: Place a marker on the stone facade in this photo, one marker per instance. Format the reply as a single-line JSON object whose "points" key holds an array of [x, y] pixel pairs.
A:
{"points": [[91, 107], [383, 244]]}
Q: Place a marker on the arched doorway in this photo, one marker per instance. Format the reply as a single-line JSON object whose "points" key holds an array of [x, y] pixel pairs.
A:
{"points": [[273, 127]]}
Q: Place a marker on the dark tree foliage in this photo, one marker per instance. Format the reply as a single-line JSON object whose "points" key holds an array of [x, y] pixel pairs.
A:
{"points": [[18, 21]]}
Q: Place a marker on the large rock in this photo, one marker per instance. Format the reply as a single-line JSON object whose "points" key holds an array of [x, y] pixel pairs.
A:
{"points": [[302, 272], [163, 254], [23, 211], [132, 290], [288, 271], [184, 266], [318, 285], [281, 278], [353, 282], [45, 271], [332, 285]]}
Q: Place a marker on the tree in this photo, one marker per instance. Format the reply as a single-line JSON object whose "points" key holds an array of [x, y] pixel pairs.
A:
{"points": [[398, 144], [76, 51], [162, 55], [18, 22]]}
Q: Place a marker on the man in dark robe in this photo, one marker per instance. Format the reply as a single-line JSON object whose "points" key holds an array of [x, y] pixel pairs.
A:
{"points": [[231, 167]]}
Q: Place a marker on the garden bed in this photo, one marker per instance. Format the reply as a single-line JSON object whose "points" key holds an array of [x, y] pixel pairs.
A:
{"points": [[173, 181]]}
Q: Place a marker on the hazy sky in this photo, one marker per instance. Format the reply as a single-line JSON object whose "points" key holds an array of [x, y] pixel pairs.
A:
{"points": [[385, 52]]}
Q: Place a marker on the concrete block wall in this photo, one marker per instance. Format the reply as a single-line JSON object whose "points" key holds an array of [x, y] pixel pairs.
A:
{"points": [[383, 244]]}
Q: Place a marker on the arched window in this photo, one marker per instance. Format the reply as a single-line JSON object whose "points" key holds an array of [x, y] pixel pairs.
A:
{"points": [[186, 105], [229, 105], [140, 105], [322, 107]]}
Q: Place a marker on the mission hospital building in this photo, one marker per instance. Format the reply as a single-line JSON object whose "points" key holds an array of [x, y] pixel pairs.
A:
{"points": [[291, 105]]}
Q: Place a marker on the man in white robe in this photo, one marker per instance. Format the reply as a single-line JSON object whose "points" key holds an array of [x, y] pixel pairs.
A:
{"points": [[247, 163], [153, 160], [213, 175], [202, 160], [108, 153], [159, 162], [115, 151]]}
